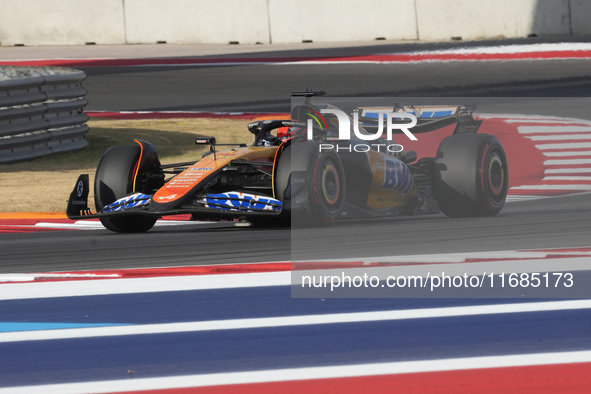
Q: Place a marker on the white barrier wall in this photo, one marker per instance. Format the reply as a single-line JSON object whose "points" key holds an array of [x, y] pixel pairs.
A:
{"points": [[338, 20], [581, 16], [197, 21], [470, 19], [76, 22], [61, 22]]}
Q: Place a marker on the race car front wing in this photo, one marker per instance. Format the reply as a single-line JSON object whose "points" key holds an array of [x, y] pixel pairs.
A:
{"points": [[229, 203]]}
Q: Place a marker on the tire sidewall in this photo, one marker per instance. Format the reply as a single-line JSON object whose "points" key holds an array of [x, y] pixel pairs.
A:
{"points": [[470, 176], [113, 174], [326, 180], [113, 180], [493, 177]]}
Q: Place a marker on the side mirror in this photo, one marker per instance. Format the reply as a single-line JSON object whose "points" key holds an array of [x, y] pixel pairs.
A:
{"points": [[207, 141]]}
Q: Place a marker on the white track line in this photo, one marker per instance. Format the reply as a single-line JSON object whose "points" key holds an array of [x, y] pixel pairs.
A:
{"points": [[527, 261], [567, 178], [553, 129], [558, 121], [454, 258], [291, 321], [308, 373], [521, 197], [567, 170], [33, 277], [568, 145], [528, 118], [560, 137], [94, 225], [567, 153], [15, 291], [553, 187], [566, 162], [518, 48]]}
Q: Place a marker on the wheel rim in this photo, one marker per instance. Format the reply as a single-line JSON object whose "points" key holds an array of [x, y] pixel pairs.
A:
{"points": [[496, 175], [327, 188], [330, 184]]}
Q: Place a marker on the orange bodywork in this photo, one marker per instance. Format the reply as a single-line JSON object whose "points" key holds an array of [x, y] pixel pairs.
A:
{"points": [[183, 183]]}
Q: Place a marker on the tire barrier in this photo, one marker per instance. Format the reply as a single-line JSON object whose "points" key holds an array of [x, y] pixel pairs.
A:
{"points": [[41, 112]]}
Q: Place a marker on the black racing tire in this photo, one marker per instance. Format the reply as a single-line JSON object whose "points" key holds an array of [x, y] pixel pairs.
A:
{"points": [[320, 174], [326, 187], [282, 177], [471, 176], [112, 181], [281, 190]]}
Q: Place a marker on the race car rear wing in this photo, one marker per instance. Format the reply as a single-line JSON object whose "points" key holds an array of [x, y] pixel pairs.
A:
{"points": [[429, 118]]}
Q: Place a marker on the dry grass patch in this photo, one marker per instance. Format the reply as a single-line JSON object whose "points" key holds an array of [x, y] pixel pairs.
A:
{"points": [[44, 184]]}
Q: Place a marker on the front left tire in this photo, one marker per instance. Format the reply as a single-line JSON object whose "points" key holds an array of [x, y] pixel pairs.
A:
{"points": [[114, 179]]}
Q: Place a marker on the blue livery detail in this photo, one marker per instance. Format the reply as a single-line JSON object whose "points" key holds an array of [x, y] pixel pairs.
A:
{"points": [[237, 201], [397, 176], [132, 201]]}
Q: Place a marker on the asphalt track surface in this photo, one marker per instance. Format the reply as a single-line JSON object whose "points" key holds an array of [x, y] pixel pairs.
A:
{"points": [[547, 223], [267, 88]]}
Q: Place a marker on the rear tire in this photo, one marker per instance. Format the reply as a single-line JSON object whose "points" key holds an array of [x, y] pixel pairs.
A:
{"points": [[471, 176], [319, 176], [326, 193], [113, 180]]}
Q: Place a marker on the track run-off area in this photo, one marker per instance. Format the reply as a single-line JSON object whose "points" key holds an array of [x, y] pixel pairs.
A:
{"points": [[241, 332], [208, 307]]}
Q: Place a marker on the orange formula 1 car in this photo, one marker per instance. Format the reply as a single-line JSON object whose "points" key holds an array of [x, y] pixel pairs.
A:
{"points": [[310, 177]]}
